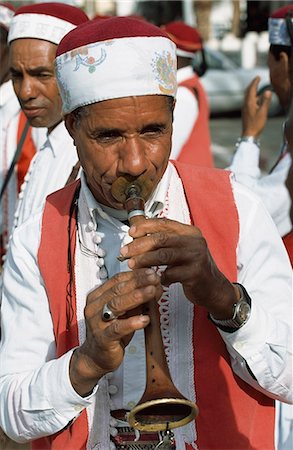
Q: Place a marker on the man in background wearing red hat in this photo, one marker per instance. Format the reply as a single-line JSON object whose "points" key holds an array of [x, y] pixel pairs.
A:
{"points": [[77, 274], [272, 187], [34, 33], [17, 137], [191, 142]]}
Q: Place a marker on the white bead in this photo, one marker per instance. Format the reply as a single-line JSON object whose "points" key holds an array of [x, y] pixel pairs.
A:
{"points": [[97, 239], [103, 273], [100, 262], [101, 252], [90, 225], [113, 389]]}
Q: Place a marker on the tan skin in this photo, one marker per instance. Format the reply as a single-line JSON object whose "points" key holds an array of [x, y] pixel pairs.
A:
{"points": [[255, 108], [133, 136], [31, 63]]}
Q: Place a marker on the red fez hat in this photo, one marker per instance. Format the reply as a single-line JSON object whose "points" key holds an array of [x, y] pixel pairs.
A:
{"points": [[7, 11], [113, 28], [187, 39], [46, 21], [278, 33], [281, 13]]}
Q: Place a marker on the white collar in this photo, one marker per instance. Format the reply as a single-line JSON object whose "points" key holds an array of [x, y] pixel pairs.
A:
{"points": [[153, 206], [55, 138]]}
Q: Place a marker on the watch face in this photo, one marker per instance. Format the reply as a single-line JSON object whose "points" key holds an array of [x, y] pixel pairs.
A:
{"points": [[243, 312]]}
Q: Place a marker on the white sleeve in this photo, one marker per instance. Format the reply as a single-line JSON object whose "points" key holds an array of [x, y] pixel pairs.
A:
{"points": [[185, 115], [27, 356], [270, 188], [261, 351]]}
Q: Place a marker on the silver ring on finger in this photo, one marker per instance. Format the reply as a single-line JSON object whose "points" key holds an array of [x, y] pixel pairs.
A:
{"points": [[107, 313]]}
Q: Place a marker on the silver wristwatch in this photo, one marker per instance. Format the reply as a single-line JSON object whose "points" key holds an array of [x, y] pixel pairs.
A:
{"points": [[241, 313]]}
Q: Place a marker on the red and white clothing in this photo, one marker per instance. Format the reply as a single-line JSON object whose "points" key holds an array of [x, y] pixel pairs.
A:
{"points": [[12, 124], [191, 142], [48, 171], [28, 349]]}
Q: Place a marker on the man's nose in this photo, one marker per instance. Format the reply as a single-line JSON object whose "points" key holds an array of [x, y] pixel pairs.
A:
{"points": [[133, 157], [26, 89]]}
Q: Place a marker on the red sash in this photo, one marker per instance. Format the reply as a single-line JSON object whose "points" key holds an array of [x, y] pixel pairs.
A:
{"points": [[27, 152], [232, 415], [197, 148]]}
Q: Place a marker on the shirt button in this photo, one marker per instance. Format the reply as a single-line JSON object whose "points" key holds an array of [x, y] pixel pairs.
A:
{"points": [[90, 225], [112, 389], [101, 252], [100, 262], [132, 349], [78, 407], [97, 239], [130, 405], [238, 346], [103, 273]]}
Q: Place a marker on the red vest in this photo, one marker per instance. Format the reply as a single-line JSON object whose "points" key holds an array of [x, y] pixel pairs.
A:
{"points": [[197, 148], [232, 414]]}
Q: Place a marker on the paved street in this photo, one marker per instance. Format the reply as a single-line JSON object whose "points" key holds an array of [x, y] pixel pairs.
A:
{"points": [[226, 130]]}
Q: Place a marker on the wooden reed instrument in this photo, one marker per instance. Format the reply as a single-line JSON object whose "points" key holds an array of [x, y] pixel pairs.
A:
{"points": [[162, 407]]}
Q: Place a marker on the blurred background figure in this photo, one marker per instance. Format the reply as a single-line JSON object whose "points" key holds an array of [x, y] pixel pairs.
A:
{"points": [[274, 188], [6, 13], [191, 142], [34, 35], [17, 145], [246, 162]]}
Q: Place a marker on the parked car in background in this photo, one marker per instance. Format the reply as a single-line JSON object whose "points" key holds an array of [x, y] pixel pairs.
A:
{"points": [[225, 83]]}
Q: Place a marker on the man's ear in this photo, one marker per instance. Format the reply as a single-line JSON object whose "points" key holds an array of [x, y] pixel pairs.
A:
{"points": [[70, 124]]}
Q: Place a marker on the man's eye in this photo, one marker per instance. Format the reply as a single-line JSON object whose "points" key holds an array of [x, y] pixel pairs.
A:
{"points": [[153, 130], [107, 136], [44, 75]]}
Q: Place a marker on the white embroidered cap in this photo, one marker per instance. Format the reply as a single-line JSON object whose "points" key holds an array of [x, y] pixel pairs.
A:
{"points": [[278, 33], [46, 21], [114, 58]]}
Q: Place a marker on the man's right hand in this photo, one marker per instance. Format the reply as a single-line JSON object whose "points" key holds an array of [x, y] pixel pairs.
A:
{"points": [[103, 349], [255, 109]]}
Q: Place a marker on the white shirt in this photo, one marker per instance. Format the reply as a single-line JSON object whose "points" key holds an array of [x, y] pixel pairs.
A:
{"points": [[48, 171], [9, 118], [271, 187], [28, 369], [185, 112]]}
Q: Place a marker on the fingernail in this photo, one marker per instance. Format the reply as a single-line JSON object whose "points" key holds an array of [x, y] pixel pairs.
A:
{"points": [[124, 251]]}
